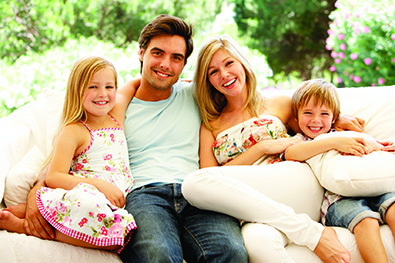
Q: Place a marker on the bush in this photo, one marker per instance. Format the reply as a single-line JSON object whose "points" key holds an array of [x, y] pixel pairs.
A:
{"points": [[362, 40]]}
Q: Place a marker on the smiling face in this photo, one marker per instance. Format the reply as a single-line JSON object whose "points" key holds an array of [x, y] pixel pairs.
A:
{"points": [[315, 118], [99, 97], [163, 61], [226, 73]]}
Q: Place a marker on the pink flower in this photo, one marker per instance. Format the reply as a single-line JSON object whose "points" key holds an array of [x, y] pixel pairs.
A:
{"points": [[337, 4], [354, 56], [351, 76], [117, 218], [381, 81], [339, 80], [343, 46], [393, 60], [393, 36], [108, 168], [357, 79], [332, 68], [357, 31], [366, 29], [373, 85], [107, 157], [333, 54], [341, 55], [116, 230], [367, 61], [328, 47], [338, 60], [330, 32], [340, 36]]}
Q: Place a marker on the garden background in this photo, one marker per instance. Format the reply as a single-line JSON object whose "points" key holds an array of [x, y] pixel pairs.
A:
{"points": [[348, 42]]}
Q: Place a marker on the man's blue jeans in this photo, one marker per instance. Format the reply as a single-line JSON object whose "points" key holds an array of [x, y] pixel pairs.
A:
{"points": [[170, 229]]}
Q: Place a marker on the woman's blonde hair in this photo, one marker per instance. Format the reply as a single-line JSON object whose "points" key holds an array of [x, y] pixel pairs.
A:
{"points": [[321, 91], [80, 76], [210, 101]]}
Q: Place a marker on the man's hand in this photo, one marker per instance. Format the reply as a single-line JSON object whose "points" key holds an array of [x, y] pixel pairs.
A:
{"points": [[35, 224], [349, 123]]}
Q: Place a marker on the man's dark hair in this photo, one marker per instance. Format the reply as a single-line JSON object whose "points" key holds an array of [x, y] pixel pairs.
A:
{"points": [[167, 25]]}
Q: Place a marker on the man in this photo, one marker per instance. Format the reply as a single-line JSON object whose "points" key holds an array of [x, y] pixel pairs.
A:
{"points": [[162, 129]]}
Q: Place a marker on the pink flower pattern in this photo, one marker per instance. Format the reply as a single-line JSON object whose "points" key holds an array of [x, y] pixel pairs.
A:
{"points": [[84, 211], [239, 138]]}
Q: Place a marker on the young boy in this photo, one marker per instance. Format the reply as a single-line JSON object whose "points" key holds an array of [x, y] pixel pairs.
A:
{"points": [[316, 106]]}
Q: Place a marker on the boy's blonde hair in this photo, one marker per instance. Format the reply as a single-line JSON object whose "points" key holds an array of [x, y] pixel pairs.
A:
{"points": [[211, 102], [80, 76], [321, 91]]}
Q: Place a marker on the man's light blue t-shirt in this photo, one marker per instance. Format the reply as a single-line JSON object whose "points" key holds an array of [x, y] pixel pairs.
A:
{"points": [[163, 137]]}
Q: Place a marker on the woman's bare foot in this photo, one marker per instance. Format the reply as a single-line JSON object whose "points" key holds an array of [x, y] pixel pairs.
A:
{"points": [[329, 248], [11, 223]]}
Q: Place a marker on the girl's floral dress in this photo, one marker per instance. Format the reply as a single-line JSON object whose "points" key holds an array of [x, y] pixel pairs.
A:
{"points": [[239, 138], [84, 212]]}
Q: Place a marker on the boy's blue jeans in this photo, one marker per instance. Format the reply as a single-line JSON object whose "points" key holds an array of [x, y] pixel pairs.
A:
{"points": [[169, 229], [349, 211]]}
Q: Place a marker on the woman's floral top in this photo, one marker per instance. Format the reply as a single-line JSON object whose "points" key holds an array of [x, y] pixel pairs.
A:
{"points": [[84, 212], [239, 138]]}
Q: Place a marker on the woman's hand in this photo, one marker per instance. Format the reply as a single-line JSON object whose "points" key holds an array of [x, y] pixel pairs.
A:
{"points": [[349, 123], [279, 145]]}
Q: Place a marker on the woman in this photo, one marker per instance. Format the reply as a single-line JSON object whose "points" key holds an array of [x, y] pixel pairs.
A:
{"points": [[240, 128]]}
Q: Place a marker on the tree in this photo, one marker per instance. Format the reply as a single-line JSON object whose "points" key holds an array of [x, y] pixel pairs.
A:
{"points": [[38, 25], [290, 33]]}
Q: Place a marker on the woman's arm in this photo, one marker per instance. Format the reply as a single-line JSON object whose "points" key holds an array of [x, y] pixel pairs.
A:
{"points": [[73, 140], [305, 150], [207, 158], [206, 154]]}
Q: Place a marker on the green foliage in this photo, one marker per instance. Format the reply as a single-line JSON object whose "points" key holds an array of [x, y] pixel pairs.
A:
{"points": [[362, 40], [290, 33], [21, 82], [38, 25]]}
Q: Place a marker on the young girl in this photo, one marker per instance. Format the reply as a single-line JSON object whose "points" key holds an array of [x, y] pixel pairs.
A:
{"points": [[316, 105], [89, 173]]}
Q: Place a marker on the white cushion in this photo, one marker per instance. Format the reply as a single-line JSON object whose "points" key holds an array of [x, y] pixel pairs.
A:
{"points": [[22, 177], [347, 175]]}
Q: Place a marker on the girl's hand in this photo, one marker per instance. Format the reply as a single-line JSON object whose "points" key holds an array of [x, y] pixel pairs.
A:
{"points": [[112, 193], [279, 145]]}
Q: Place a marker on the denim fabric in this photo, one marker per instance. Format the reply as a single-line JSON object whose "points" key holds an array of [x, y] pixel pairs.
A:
{"points": [[349, 211], [170, 229]]}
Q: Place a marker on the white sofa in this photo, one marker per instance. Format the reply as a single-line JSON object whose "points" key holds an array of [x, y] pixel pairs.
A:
{"points": [[26, 137]]}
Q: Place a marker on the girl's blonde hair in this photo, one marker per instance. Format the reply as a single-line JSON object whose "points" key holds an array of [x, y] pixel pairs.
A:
{"points": [[80, 76], [210, 101], [321, 91]]}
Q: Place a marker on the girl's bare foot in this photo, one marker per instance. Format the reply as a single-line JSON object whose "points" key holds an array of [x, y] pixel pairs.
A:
{"points": [[330, 249], [17, 210], [11, 223]]}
